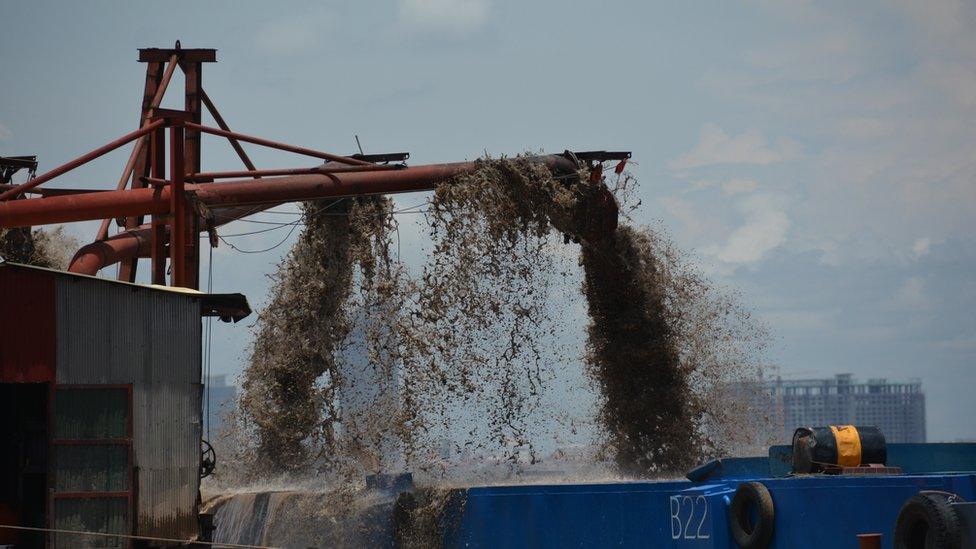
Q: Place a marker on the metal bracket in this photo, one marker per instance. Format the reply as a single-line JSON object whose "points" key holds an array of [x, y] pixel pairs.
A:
{"points": [[601, 156]]}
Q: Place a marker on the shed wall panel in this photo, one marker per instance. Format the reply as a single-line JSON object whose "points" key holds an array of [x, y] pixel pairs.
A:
{"points": [[27, 325], [112, 334]]}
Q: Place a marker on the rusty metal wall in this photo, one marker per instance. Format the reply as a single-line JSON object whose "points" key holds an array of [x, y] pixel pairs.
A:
{"points": [[26, 325], [109, 333]]}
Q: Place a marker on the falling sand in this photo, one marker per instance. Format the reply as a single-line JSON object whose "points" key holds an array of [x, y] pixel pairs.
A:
{"points": [[472, 337]]}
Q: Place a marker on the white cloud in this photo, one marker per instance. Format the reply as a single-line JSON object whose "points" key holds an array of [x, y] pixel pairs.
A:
{"points": [[739, 186], [801, 320], [715, 146], [292, 34], [921, 246], [911, 296], [451, 16], [765, 228], [5, 134], [684, 212]]}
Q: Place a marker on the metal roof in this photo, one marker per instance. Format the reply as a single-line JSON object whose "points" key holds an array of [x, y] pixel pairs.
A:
{"points": [[227, 307]]}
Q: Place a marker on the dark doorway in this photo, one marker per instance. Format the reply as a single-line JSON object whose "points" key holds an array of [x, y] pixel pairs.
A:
{"points": [[23, 463]]}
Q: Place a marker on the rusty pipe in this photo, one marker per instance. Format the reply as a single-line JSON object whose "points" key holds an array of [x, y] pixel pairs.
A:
{"points": [[84, 159], [276, 145], [91, 258], [205, 177], [223, 125], [148, 201], [141, 142], [137, 242]]}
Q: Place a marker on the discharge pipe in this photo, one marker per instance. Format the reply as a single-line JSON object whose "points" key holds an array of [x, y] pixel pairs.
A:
{"points": [[270, 191], [230, 200]]}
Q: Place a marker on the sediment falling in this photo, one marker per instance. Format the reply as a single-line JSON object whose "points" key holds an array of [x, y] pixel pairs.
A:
{"points": [[471, 336], [50, 248]]}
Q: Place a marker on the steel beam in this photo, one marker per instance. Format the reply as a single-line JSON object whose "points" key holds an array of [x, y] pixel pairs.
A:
{"points": [[193, 72], [207, 177], [177, 208], [192, 55], [223, 125], [158, 224], [84, 159], [154, 91], [277, 145], [63, 209]]}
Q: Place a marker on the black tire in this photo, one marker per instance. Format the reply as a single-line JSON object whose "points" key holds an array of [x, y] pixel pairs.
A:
{"points": [[927, 521], [748, 496]]}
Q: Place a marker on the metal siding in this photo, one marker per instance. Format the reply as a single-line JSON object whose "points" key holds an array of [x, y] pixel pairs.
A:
{"points": [[113, 334], [91, 468], [27, 310], [107, 515], [91, 413]]}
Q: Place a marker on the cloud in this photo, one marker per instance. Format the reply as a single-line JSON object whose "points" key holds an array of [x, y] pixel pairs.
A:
{"points": [[911, 296], [292, 34], [940, 17], [863, 128], [715, 146], [450, 16], [5, 134], [684, 212], [765, 229], [921, 246], [739, 186], [956, 81], [802, 320]]}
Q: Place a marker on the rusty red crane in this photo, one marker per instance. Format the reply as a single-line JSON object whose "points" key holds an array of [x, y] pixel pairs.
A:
{"points": [[182, 201]]}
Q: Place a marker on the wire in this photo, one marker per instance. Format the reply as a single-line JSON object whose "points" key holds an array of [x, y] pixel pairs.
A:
{"points": [[209, 341], [260, 222], [301, 223], [258, 251], [275, 228], [277, 212], [129, 536]]}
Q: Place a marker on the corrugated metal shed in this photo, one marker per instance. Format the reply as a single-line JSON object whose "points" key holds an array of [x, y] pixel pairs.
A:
{"points": [[89, 337], [27, 324], [109, 334]]}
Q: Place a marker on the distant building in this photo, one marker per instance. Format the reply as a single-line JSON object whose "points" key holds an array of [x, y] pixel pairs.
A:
{"points": [[898, 409], [219, 400]]}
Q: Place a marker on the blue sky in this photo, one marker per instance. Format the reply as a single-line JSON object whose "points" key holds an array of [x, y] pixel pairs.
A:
{"points": [[816, 156]]}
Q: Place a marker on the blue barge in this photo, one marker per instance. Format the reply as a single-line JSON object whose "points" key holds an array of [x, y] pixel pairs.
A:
{"points": [[811, 511]]}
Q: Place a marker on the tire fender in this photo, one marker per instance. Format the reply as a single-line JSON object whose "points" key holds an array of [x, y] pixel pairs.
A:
{"points": [[752, 515], [926, 520]]}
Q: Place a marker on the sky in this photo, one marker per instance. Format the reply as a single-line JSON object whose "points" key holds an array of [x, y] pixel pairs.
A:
{"points": [[816, 157]]}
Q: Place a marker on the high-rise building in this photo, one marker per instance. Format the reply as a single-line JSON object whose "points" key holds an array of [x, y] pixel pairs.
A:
{"points": [[897, 408]]}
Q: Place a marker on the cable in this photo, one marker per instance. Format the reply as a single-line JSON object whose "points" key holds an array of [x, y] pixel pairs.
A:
{"points": [[293, 224], [129, 536], [209, 340], [258, 251], [275, 228], [300, 222]]}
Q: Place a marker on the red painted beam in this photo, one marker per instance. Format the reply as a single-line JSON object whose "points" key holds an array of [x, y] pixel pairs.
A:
{"points": [[277, 145], [205, 177], [84, 159], [64, 209], [243, 198]]}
